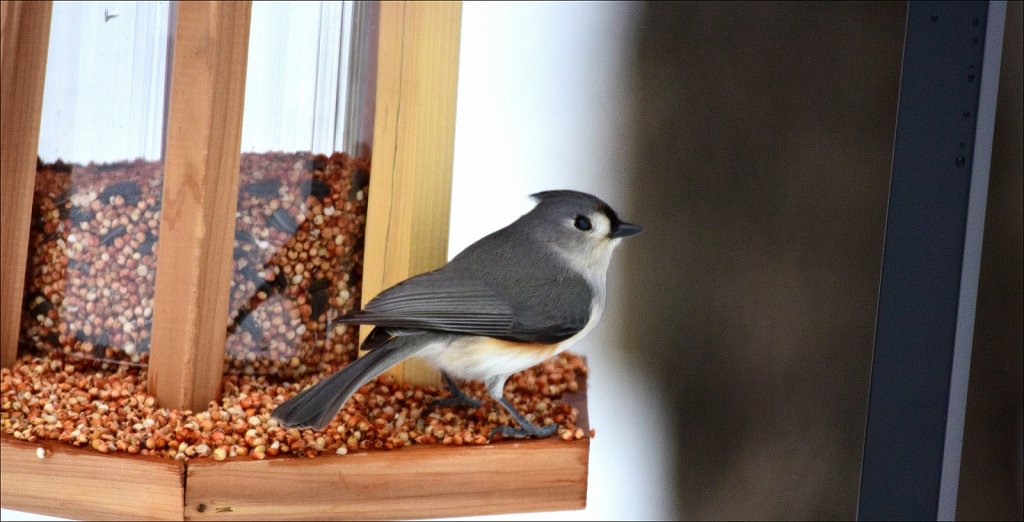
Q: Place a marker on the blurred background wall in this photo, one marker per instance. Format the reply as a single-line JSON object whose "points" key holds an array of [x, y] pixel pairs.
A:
{"points": [[762, 138]]}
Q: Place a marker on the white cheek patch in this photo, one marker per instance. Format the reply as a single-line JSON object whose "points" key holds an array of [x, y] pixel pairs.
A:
{"points": [[602, 227]]}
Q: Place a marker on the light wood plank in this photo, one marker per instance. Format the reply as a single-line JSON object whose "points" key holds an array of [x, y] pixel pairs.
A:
{"points": [[82, 484], [414, 482], [24, 39], [413, 147], [200, 192]]}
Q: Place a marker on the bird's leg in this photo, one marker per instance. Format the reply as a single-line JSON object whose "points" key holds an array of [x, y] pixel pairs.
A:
{"points": [[458, 398], [525, 429]]}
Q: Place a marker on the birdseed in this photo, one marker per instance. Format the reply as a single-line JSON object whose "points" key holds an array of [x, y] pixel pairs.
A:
{"points": [[106, 407]]}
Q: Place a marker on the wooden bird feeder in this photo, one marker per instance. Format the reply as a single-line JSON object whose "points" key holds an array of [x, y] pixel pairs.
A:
{"points": [[408, 92]]}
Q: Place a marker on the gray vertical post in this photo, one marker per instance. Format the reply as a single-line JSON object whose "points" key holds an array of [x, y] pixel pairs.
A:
{"points": [[926, 304]]}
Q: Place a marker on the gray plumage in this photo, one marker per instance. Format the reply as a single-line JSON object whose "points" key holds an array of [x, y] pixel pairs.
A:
{"points": [[477, 293], [539, 281], [318, 404]]}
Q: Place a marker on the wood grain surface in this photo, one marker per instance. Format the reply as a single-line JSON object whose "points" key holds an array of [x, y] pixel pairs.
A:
{"points": [[413, 149], [24, 39], [200, 192], [83, 484]]}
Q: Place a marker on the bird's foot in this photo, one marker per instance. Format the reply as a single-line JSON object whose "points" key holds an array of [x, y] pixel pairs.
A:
{"points": [[528, 430], [458, 397]]}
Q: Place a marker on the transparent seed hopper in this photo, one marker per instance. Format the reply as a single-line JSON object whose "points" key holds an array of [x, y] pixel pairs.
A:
{"points": [[97, 200], [303, 184], [304, 175]]}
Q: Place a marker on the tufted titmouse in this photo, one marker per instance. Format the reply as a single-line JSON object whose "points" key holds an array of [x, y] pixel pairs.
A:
{"points": [[507, 302]]}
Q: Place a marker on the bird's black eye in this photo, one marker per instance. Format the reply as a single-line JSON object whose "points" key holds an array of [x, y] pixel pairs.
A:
{"points": [[583, 223]]}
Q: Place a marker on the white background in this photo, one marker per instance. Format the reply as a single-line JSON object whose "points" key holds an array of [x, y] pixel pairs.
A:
{"points": [[544, 104]]}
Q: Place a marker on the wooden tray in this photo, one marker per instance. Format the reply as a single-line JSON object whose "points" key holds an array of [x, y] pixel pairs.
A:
{"points": [[412, 482]]}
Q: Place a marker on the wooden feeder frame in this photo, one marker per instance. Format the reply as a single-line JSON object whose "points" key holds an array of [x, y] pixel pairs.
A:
{"points": [[406, 234]]}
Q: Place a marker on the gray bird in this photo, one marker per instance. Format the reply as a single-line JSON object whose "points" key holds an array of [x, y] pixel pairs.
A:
{"points": [[507, 302]]}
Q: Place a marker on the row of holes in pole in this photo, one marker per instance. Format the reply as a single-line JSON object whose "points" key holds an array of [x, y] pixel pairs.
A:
{"points": [[961, 159]]}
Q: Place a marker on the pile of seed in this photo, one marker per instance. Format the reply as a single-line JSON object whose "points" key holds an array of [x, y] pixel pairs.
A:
{"points": [[109, 411], [297, 261]]}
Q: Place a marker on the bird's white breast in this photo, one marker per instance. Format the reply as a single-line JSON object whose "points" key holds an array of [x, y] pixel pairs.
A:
{"points": [[480, 357]]}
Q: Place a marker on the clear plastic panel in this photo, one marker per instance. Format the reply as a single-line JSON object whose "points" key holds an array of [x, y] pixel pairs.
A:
{"points": [[301, 214], [96, 207]]}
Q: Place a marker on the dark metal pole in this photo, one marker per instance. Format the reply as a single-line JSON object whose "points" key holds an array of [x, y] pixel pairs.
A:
{"points": [[929, 283]]}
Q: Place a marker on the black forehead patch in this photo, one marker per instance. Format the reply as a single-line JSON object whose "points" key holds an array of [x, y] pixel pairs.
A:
{"points": [[613, 218], [581, 200]]}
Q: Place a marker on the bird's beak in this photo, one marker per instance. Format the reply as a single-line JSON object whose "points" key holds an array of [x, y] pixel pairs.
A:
{"points": [[623, 229]]}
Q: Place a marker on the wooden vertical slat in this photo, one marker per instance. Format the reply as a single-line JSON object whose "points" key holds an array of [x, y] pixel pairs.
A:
{"points": [[413, 145], [24, 38], [200, 191]]}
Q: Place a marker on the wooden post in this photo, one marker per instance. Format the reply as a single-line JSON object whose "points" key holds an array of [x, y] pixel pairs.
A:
{"points": [[24, 39], [413, 145], [200, 191]]}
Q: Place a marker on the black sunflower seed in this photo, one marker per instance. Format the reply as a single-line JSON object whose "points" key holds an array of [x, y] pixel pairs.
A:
{"points": [[53, 339], [243, 312], [319, 284], [78, 264], [316, 164], [60, 166], [250, 325], [266, 188], [318, 302], [280, 281], [283, 221], [41, 308], [146, 246], [129, 190], [79, 215], [99, 351], [61, 199], [251, 274], [107, 167], [244, 237], [266, 288], [113, 234], [316, 188], [359, 181]]}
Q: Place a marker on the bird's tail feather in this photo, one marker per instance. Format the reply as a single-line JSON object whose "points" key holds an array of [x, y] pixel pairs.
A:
{"points": [[317, 405]]}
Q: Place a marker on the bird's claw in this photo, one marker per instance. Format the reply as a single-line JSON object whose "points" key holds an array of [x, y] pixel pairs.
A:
{"points": [[529, 430]]}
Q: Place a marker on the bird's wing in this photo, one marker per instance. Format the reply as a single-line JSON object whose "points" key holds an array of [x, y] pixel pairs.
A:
{"points": [[464, 304], [436, 302]]}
